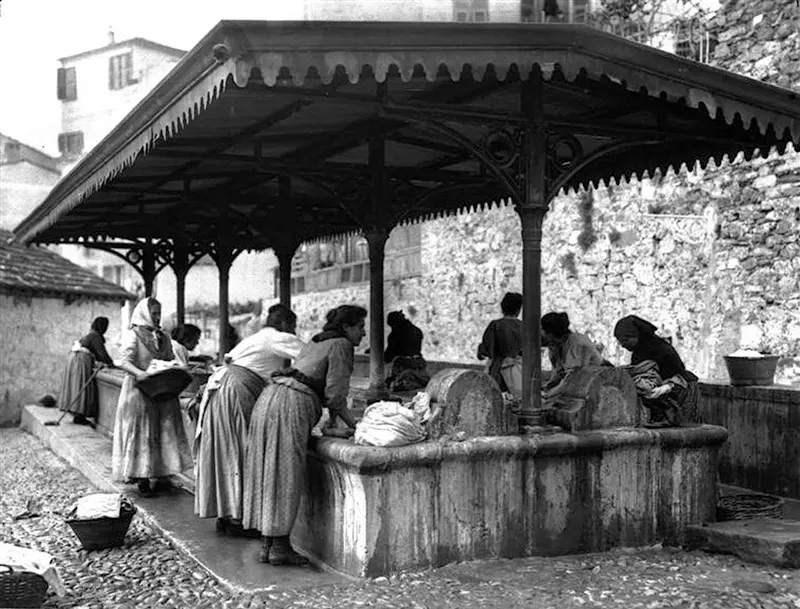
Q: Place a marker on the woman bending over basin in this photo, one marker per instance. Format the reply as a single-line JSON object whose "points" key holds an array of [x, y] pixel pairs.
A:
{"points": [[568, 351], [281, 424], [667, 389]]}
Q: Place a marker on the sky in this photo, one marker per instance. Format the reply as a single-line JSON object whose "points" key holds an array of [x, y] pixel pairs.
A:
{"points": [[34, 34]]}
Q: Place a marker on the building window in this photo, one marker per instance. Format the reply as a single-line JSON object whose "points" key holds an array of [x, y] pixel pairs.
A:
{"points": [[344, 261], [70, 144], [120, 71], [545, 11], [471, 11], [67, 84]]}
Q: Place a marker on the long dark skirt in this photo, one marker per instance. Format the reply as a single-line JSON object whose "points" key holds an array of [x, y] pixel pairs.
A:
{"points": [[276, 468], [220, 451], [78, 371]]}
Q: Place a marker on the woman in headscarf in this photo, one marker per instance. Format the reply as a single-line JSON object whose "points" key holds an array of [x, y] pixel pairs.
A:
{"points": [[667, 389], [150, 442], [568, 351], [408, 369], [78, 389], [281, 425], [224, 417], [502, 344]]}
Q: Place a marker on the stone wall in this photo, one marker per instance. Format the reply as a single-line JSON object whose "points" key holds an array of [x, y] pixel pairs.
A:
{"points": [[37, 336], [625, 270]]}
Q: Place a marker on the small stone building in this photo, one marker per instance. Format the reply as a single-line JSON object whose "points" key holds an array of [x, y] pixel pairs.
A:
{"points": [[46, 303]]}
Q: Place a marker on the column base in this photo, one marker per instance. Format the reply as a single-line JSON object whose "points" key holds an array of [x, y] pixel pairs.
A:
{"points": [[533, 418]]}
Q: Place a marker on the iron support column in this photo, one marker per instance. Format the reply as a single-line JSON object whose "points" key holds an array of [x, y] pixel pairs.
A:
{"points": [[285, 254], [148, 267], [224, 259], [180, 265], [377, 382], [532, 210], [377, 233], [285, 249]]}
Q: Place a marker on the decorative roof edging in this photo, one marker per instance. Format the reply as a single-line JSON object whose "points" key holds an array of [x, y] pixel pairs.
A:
{"points": [[571, 56]]}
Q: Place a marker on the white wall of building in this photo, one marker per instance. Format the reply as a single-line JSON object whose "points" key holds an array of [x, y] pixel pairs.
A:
{"points": [[98, 108], [37, 336], [23, 186], [500, 11]]}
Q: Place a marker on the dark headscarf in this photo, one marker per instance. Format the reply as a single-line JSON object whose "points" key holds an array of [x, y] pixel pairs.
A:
{"points": [[633, 326], [100, 324], [649, 346], [337, 319], [556, 324]]}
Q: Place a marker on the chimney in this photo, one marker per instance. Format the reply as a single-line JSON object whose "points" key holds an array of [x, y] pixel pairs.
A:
{"points": [[110, 36]]}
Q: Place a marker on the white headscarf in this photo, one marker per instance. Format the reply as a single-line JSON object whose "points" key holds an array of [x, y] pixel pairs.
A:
{"points": [[141, 317]]}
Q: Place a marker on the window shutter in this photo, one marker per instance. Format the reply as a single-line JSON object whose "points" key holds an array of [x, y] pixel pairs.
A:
{"points": [[111, 72], [79, 142], [62, 83], [70, 84]]}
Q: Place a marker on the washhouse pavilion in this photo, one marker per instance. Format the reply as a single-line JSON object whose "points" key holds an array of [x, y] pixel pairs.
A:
{"points": [[271, 134]]}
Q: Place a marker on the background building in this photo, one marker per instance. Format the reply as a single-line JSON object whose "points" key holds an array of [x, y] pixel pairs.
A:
{"points": [[97, 88], [26, 176]]}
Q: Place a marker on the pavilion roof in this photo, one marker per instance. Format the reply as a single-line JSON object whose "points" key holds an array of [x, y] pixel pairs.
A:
{"points": [[266, 125]]}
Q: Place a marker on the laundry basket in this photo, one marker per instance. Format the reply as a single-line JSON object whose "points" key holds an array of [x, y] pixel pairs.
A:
{"points": [[21, 588], [99, 533], [746, 506]]}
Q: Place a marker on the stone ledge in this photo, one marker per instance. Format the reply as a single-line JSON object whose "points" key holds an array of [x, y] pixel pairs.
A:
{"points": [[772, 393], [372, 460], [767, 541]]}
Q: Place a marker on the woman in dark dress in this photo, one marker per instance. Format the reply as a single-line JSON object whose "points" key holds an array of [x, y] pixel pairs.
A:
{"points": [[667, 389], [78, 393], [408, 369], [502, 345], [281, 424]]}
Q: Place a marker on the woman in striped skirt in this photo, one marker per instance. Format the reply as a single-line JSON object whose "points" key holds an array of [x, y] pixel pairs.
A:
{"points": [[281, 425]]}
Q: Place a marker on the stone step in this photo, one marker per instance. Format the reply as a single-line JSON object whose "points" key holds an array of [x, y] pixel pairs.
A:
{"points": [[767, 541]]}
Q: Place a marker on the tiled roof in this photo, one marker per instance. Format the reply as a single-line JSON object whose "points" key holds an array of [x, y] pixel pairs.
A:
{"points": [[36, 269]]}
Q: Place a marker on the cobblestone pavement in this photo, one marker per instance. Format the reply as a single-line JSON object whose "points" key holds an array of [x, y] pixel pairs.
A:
{"points": [[148, 572]]}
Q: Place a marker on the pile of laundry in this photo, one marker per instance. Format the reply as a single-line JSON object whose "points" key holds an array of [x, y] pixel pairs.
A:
{"points": [[394, 423]]}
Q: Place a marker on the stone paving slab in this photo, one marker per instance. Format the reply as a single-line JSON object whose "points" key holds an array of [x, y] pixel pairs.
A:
{"points": [[767, 541], [231, 560]]}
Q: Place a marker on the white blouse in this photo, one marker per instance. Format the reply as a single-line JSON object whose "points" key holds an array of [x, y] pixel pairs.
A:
{"points": [[266, 351]]}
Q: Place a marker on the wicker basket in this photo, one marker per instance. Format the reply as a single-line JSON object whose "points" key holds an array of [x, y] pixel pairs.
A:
{"points": [[21, 588], [747, 506], [99, 533], [166, 384]]}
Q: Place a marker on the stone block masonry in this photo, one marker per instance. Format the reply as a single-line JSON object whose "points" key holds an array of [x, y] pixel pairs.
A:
{"points": [[37, 335]]}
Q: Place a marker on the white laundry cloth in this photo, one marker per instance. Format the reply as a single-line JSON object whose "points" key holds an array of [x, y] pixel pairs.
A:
{"points": [[32, 561], [98, 505]]}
